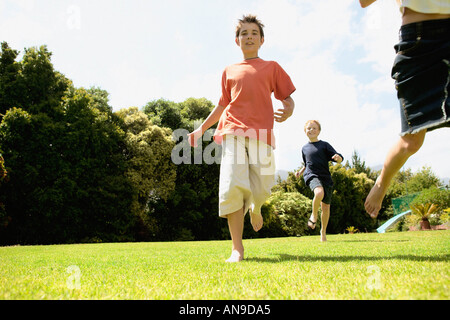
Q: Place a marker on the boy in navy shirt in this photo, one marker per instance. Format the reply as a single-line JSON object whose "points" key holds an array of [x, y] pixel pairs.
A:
{"points": [[316, 155]]}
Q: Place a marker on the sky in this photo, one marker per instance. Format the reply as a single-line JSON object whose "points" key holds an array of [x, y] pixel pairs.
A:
{"points": [[338, 55]]}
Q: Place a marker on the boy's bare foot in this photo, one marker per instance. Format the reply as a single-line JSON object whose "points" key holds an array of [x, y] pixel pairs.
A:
{"points": [[236, 256], [374, 200], [323, 237], [256, 220]]}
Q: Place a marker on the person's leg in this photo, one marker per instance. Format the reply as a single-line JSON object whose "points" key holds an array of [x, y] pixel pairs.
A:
{"points": [[262, 178], [319, 193], [405, 147], [233, 192], [324, 221], [236, 227]]}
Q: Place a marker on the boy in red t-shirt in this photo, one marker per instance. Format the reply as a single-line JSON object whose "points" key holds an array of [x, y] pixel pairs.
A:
{"points": [[245, 130]]}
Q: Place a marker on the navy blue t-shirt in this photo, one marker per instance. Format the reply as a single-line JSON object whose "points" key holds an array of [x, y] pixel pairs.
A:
{"points": [[316, 156]]}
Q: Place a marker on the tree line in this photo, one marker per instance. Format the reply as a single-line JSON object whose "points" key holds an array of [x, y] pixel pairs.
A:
{"points": [[72, 170]]}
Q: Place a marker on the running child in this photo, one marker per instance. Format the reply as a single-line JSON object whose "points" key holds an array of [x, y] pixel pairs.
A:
{"points": [[421, 72], [316, 154], [245, 130]]}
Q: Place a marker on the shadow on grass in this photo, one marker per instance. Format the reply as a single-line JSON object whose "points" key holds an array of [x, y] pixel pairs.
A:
{"points": [[287, 257], [371, 241]]}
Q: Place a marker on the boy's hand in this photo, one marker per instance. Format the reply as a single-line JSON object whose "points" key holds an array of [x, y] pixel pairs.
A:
{"points": [[282, 115], [337, 158], [299, 173], [194, 136]]}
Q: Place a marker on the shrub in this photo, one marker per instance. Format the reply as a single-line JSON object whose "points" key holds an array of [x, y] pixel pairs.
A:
{"points": [[292, 211], [436, 196], [352, 230], [445, 217], [440, 197]]}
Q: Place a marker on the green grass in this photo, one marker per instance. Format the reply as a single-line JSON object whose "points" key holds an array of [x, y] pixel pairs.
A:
{"points": [[408, 265]]}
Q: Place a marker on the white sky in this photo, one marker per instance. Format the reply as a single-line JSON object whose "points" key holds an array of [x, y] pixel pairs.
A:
{"points": [[338, 55]]}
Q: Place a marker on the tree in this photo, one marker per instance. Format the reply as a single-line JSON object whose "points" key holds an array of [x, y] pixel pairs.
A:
{"points": [[66, 175], [149, 167], [64, 154], [42, 87], [191, 210], [93, 148], [359, 166], [11, 88], [3, 172], [194, 109], [79, 172], [4, 218], [423, 179], [100, 101], [164, 113]]}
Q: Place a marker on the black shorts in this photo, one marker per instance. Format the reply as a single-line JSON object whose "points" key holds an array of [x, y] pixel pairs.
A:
{"points": [[328, 190], [422, 75]]}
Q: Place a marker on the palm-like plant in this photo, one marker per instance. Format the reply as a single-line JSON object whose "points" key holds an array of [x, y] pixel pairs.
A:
{"points": [[352, 230], [424, 211]]}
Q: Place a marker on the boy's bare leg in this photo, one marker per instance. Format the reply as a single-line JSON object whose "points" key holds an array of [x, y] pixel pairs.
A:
{"points": [[405, 147], [317, 200], [324, 220], [236, 227]]}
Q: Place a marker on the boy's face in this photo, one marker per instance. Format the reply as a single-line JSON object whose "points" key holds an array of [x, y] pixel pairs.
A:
{"points": [[312, 131], [250, 40]]}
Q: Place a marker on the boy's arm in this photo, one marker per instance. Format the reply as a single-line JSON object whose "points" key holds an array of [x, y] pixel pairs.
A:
{"points": [[300, 172], [213, 117], [333, 154], [366, 3], [337, 158], [283, 114]]}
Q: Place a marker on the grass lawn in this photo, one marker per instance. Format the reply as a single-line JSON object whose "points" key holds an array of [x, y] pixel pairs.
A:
{"points": [[407, 265]]}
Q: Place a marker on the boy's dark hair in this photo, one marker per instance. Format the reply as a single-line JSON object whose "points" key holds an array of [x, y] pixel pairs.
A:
{"points": [[249, 19]]}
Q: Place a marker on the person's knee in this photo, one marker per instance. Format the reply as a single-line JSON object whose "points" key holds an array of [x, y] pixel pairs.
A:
{"points": [[412, 143], [319, 193], [412, 146]]}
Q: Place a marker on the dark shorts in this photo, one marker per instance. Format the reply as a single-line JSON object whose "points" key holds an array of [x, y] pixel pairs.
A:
{"points": [[328, 190], [422, 75]]}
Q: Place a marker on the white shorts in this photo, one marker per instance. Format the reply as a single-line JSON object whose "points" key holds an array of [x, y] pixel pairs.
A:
{"points": [[247, 174]]}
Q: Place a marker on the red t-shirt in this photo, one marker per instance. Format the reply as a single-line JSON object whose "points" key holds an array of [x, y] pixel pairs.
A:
{"points": [[247, 97]]}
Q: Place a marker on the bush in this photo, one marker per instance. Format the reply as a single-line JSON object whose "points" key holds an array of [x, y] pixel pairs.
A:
{"points": [[433, 195], [291, 211], [347, 203], [437, 196], [440, 197], [445, 217]]}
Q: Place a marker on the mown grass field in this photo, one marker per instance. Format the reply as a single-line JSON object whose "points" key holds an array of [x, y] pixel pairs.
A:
{"points": [[408, 265]]}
